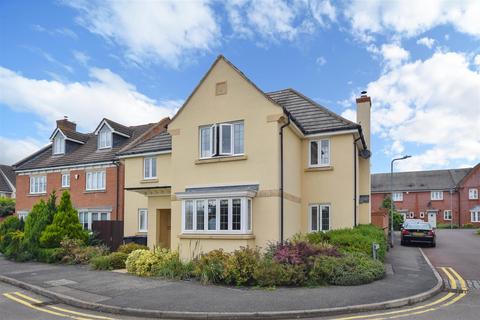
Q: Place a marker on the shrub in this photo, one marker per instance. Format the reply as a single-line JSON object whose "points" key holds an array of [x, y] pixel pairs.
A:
{"points": [[478, 232], [170, 266], [72, 251], [7, 206], [49, 255], [37, 220], [131, 246], [15, 249], [300, 252], [468, 226], [140, 262], [352, 269], [240, 266], [65, 225], [7, 228], [210, 267], [113, 261], [446, 226]]}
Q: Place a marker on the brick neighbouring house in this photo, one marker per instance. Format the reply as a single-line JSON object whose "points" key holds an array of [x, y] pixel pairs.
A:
{"points": [[432, 195], [84, 164]]}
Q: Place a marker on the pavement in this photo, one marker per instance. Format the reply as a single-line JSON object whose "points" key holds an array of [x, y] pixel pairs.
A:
{"points": [[408, 274]]}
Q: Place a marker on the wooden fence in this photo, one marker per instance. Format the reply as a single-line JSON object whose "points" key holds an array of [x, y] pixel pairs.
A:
{"points": [[109, 232]]}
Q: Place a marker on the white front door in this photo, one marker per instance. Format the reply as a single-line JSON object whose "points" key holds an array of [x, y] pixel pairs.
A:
{"points": [[432, 218]]}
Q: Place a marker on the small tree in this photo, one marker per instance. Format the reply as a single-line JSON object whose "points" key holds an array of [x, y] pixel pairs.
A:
{"points": [[7, 228], [7, 206], [38, 219], [65, 225], [397, 218]]}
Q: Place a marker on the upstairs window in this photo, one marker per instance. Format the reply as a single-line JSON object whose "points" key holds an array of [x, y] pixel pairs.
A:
{"points": [[319, 217], [104, 138], [65, 180], [150, 168], [224, 139], [38, 184], [472, 194], [436, 195], [319, 153], [398, 196], [95, 180], [59, 144]]}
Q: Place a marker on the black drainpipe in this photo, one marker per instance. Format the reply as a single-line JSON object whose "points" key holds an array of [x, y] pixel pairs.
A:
{"points": [[355, 181], [281, 174]]}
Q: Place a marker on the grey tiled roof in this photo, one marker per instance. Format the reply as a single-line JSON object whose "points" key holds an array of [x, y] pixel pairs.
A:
{"points": [[308, 115], [159, 142], [419, 180], [75, 135], [249, 187], [119, 127], [6, 173], [83, 154]]}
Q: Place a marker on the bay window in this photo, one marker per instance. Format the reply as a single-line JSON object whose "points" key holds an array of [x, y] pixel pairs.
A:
{"points": [[38, 184], [222, 215], [319, 217], [86, 218], [224, 139], [95, 180], [319, 153], [150, 168]]}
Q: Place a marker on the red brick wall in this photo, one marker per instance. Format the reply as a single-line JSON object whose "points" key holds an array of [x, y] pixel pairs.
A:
{"points": [[420, 202], [80, 197], [471, 181]]}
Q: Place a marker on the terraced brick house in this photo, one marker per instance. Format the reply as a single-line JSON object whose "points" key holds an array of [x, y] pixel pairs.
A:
{"points": [[83, 163], [237, 166], [7, 181], [437, 196]]}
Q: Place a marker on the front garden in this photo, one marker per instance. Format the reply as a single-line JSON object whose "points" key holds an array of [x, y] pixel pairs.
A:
{"points": [[53, 234]]}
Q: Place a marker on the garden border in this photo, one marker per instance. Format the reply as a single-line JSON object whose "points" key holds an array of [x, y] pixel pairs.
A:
{"points": [[233, 315]]}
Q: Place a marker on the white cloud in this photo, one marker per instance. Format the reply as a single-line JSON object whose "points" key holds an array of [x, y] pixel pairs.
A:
{"points": [[394, 55], [320, 61], [18, 149], [152, 31], [476, 60], [433, 105], [81, 57], [426, 41], [106, 94], [275, 20], [411, 17]]}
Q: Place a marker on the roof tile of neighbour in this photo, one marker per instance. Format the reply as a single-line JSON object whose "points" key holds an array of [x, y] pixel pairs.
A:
{"points": [[308, 115], [160, 142], [419, 180], [83, 154], [6, 175]]}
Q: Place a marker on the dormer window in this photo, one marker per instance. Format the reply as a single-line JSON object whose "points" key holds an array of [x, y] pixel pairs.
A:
{"points": [[59, 144], [104, 138]]}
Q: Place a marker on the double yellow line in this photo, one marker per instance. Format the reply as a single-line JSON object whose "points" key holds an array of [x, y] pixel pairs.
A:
{"points": [[33, 303], [448, 299]]}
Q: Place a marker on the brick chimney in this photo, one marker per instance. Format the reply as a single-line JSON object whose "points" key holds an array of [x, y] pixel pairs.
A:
{"points": [[64, 124], [364, 104]]}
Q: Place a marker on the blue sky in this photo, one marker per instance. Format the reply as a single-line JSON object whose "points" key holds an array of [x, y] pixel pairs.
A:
{"points": [[135, 62]]}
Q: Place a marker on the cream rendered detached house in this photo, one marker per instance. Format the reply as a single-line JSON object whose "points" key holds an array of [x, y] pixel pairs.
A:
{"points": [[240, 167]]}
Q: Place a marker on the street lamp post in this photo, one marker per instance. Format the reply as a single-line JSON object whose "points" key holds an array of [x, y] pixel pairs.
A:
{"points": [[391, 196]]}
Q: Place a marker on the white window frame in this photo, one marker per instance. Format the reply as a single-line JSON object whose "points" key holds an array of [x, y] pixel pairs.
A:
{"points": [[141, 212], [319, 154], [473, 194], [58, 144], [422, 214], [475, 215], [215, 138], [38, 184], [319, 207], [151, 162], [22, 215], [411, 215], [398, 196], [245, 216], [446, 213], [89, 215], [105, 138], [66, 180], [96, 186], [433, 195]]}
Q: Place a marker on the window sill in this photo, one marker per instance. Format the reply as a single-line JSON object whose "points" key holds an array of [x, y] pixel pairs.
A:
{"points": [[154, 180], [37, 194], [95, 191], [221, 159], [324, 168], [141, 233], [216, 236]]}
